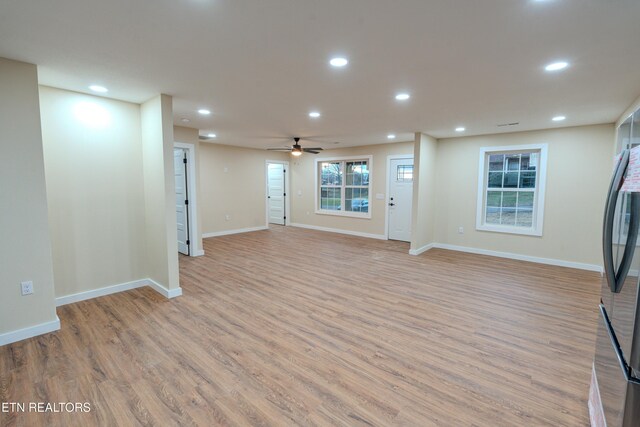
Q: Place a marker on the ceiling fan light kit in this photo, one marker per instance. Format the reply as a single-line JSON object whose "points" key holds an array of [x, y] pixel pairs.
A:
{"points": [[296, 149]]}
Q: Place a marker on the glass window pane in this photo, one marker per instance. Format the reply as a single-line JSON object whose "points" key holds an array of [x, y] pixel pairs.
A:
{"points": [[496, 162], [357, 173], [533, 161], [528, 180], [525, 218], [331, 173], [330, 198], [493, 215], [513, 162], [357, 199], [511, 179], [494, 198], [508, 216], [405, 173], [509, 199], [524, 161], [525, 199], [495, 179]]}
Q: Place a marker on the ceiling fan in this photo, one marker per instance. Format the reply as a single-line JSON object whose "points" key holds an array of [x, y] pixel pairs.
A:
{"points": [[296, 149]]}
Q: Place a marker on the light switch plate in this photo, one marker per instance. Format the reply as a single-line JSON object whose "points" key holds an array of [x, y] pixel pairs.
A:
{"points": [[379, 196]]}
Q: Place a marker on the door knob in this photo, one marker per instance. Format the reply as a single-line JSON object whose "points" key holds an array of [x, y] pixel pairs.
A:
{"points": [[392, 204]]}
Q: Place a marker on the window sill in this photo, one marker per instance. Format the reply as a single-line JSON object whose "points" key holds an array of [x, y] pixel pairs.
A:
{"points": [[510, 230], [346, 214]]}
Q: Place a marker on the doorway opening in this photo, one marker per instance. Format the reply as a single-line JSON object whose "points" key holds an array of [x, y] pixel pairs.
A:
{"points": [[399, 197], [278, 211], [185, 199]]}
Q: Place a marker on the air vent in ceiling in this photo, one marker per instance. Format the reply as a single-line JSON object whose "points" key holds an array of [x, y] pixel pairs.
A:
{"points": [[508, 124]]}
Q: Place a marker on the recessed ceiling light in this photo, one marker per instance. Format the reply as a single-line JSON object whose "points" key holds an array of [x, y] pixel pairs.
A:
{"points": [[391, 136], [211, 135], [98, 88], [558, 118], [460, 129], [557, 66], [185, 120], [314, 114], [403, 96], [204, 112], [338, 62]]}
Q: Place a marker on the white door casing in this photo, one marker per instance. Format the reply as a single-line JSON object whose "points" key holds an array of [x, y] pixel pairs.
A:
{"points": [[180, 157], [276, 193], [400, 198]]}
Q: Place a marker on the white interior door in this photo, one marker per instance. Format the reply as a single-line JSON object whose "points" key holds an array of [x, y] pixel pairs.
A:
{"points": [[276, 193], [400, 199], [180, 159]]}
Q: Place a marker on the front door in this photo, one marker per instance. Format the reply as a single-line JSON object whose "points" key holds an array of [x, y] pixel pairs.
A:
{"points": [[276, 193], [180, 160], [400, 199]]}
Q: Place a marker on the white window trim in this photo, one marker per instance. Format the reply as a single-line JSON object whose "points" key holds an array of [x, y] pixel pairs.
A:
{"points": [[369, 159], [538, 219]]}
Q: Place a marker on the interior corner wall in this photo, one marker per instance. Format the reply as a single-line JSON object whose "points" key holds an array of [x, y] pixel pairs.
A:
{"points": [[95, 190], [578, 174], [25, 247], [159, 192], [233, 185], [635, 105], [424, 191], [303, 191], [191, 136]]}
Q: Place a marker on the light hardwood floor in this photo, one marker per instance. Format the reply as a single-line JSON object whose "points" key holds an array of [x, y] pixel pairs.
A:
{"points": [[298, 327]]}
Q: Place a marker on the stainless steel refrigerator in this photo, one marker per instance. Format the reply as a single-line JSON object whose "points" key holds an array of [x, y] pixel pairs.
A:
{"points": [[617, 358]]}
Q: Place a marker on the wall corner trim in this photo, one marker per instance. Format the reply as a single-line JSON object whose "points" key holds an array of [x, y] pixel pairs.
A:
{"points": [[238, 231], [114, 289], [167, 293], [340, 231], [30, 332], [421, 250]]}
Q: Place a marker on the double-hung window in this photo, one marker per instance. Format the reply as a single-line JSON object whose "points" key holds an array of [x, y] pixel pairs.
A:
{"points": [[343, 186], [511, 185]]}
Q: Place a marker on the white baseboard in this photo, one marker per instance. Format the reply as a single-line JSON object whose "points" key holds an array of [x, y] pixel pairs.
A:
{"points": [[168, 293], [337, 230], [121, 287], [509, 255], [32, 331], [95, 293], [198, 253], [228, 232], [423, 249]]}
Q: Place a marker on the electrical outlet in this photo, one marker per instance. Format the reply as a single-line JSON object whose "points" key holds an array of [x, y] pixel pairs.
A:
{"points": [[227, 217], [460, 230], [27, 288]]}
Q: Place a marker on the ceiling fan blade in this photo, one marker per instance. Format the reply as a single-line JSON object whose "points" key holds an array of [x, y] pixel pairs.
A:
{"points": [[313, 148], [279, 149], [311, 151]]}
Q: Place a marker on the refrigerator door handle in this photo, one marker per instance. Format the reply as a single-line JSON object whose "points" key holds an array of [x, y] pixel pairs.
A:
{"points": [[613, 279], [616, 346], [632, 239]]}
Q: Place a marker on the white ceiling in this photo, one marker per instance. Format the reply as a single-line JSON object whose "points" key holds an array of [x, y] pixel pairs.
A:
{"points": [[261, 66]]}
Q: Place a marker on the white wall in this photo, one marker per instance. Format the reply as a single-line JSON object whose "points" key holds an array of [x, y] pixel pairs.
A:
{"points": [[578, 174], [95, 188], [423, 217], [303, 189], [232, 182], [159, 191], [25, 246]]}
